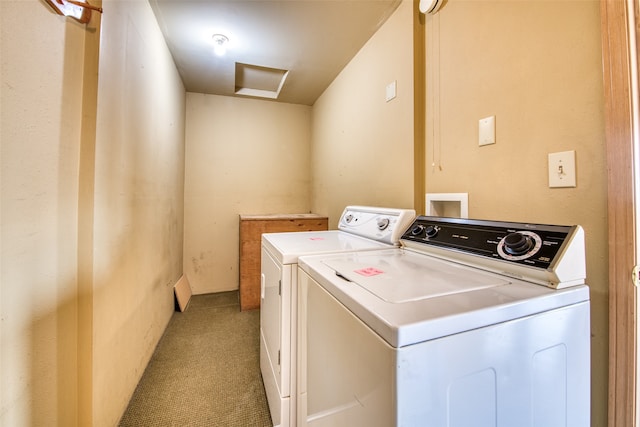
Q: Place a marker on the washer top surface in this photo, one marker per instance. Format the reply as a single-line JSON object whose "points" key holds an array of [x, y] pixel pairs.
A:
{"points": [[408, 297], [287, 247]]}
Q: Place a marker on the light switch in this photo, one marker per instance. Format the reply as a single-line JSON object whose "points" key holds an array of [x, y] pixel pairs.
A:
{"points": [[487, 131], [562, 169]]}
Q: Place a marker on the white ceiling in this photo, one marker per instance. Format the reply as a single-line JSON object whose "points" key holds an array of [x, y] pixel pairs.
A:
{"points": [[312, 39]]}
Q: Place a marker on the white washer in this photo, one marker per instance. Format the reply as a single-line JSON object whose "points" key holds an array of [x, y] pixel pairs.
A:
{"points": [[469, 323], [361, 228]]}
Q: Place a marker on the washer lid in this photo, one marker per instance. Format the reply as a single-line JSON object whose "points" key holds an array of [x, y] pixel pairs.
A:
{"points": [[407, 297], [384, 279], [287, 247]]}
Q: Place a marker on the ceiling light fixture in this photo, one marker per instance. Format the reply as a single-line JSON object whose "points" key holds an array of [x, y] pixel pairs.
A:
{"points": [[220, 42]]}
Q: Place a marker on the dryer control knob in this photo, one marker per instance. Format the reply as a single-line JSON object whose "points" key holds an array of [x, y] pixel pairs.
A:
{"points": [[383, 223], [432, 231]]}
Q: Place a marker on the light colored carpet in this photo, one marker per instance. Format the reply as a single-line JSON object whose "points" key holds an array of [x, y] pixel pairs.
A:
{"points": [[205, 370]]}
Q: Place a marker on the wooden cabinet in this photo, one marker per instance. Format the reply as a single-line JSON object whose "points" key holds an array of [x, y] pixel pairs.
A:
{"points": [[251, 229]]}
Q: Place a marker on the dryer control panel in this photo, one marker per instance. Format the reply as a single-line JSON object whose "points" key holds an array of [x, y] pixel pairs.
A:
{"points": [[383, 224], [551, 254]]}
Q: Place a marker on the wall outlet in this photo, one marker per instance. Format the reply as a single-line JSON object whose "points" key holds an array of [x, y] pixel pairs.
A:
{"points": [[562, 169]]}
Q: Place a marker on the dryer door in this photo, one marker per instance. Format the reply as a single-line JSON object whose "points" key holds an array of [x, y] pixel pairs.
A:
{"points": [[274, 331]]}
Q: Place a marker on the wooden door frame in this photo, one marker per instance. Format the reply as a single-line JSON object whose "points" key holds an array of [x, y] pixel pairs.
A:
{"points": [[618, 38]]}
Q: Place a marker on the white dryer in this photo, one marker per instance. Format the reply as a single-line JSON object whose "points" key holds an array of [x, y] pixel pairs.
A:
{"points": [[361, 228], [469, 324]]}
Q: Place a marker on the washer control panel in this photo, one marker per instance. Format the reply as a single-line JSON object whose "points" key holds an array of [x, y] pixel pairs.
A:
{"points": [[506, 247]]}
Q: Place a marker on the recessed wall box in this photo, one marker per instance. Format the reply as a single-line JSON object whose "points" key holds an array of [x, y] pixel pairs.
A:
{"points": [[453, 205]]}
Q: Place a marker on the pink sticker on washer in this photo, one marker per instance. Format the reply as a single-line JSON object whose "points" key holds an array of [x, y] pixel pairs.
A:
{"points": [[316, 238], [369, 271]]}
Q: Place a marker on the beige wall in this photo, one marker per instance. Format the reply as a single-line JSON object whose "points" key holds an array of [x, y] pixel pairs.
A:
{"points": [[363, 146], [536, 66], [243, 156], [40, 102], [138, 217], [91, 217]]}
